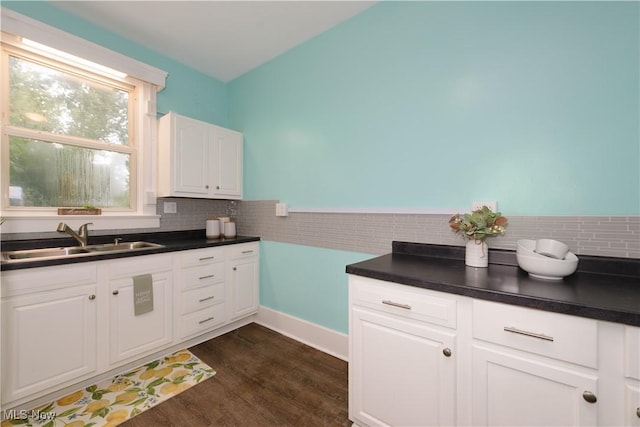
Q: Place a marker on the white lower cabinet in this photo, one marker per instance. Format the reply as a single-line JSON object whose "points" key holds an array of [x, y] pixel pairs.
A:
{"points": [[48, 329], [243, 277], [507, 365], [532, 367], [632, 376], [134, 335], [402, 369], [401, 376], [515, 390], [66, 324]]}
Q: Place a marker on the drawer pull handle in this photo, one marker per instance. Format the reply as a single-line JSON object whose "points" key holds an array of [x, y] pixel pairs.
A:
{"points": [[638, 412], [589, 397], [206, 320], [115, 292], [207, 298], [92, 297], [206, 277], [527, 333], [447, 352], [206, 258], [247, 252], [397, 304]]}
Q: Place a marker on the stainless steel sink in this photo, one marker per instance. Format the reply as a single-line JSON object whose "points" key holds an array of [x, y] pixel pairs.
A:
{"points": [[122, 246], [75, 251]]}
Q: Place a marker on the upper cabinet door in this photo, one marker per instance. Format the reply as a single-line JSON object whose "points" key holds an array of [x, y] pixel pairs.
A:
{"points": [[227, 163], [191, 151]]}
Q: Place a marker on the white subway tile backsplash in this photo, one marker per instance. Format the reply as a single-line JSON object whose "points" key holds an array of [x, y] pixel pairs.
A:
{"points": [[617, 236]]}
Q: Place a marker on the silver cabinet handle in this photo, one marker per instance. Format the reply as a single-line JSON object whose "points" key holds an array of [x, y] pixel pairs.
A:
{"points": [[206, 258], [92, 297], [527, 333], [247, 252], [206, 299], [589, 397], [206, 320], [206, 277], [396, 304], [116, 292], [447, 352]]}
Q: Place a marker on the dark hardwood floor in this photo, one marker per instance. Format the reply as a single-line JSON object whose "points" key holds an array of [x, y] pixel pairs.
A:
{"points": [[262, 379]]}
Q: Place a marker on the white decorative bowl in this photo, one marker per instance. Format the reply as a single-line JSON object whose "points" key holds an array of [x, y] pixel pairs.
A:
{"points": [[544, 267]]}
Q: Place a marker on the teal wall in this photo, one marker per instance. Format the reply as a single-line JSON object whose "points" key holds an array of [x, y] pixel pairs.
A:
{"points": [[307, 282], [187, 91], [437, 104]]}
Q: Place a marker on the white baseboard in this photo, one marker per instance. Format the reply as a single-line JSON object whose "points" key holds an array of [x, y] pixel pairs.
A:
{"points": [[316, 336]]}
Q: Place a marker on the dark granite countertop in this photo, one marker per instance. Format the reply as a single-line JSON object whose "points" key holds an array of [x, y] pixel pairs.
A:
{"points": [[173, 241], [603, 288]]}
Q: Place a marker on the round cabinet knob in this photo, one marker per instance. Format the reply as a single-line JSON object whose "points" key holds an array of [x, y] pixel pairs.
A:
{"points": [[589, 397], [217, 187], [235, 268], [92, 297], [447, 352], [116, 292], [206, 186], [638, 412]]}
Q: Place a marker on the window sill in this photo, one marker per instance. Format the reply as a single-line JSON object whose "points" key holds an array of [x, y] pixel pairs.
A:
{"points": [[44, 223]]}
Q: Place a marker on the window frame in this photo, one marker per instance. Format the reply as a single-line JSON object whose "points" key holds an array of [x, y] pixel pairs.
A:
{"points": [[127, 84], [151, 80]]}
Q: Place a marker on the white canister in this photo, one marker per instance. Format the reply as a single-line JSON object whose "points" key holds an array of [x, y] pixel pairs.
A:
{"points": [[222, 220], [229, 229], [213, 229]]}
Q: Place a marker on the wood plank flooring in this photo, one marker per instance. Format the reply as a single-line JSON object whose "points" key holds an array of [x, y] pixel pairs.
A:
{"points": [[263, 379]]}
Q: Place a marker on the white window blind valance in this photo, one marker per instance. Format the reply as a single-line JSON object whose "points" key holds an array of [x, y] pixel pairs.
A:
{"points": [[20, 25]]}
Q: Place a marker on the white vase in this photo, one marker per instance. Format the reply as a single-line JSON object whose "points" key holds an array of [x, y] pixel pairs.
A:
{"points": [[477, 254]]}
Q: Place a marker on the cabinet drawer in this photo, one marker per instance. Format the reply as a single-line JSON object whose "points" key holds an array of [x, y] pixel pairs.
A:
{"points": [[202, 320], [559, 336], [244, 250], [202, 275], [402, 300], [202, 256], [197, 299]]}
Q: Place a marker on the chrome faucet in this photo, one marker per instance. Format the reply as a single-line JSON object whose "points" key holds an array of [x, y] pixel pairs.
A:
{"points": [[81, 236]]}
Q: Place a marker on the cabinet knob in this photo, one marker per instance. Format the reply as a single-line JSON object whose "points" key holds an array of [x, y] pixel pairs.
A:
{"points": [[92, 297], [116, 292], [206, 186], [589, 397], [447, 352], [235, 268], [217, 187], [638, 412]]}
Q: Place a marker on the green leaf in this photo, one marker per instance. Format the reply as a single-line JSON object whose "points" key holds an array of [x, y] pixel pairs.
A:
{"points": [[137, 402], [157, 382], [100, 413], [49, 424], [69, 412]]}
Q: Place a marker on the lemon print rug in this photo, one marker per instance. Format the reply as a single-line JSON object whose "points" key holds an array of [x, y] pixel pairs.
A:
{"points": [[115, 400]]}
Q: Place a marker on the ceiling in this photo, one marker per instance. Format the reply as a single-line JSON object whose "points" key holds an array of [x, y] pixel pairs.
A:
{"points": [[222, 39]]}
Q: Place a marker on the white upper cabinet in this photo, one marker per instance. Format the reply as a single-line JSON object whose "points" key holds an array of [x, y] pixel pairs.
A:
{"points": [[198, 159]]}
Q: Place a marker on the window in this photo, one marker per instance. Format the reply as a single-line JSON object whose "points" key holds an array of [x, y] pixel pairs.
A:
{"points": [[56, 133], [68, 134]]}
